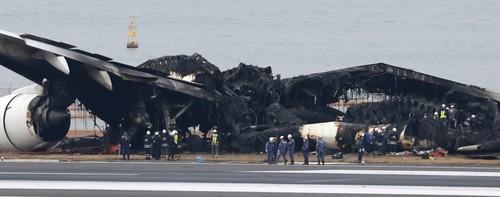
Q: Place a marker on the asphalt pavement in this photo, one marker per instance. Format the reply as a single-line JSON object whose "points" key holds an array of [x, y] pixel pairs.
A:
{"points": [[161, 178]]}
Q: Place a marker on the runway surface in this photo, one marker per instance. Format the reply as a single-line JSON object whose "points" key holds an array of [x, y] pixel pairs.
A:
{"points": [[220, 179]]}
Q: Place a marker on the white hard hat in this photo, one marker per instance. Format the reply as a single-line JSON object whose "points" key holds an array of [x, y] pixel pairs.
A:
{"points": [[215, 130], [148, 132], [435, 113], [271, 139], [394, 129], [443, 105], [174, 132], [289, 135], [164, 131], [281, 137], [448, 108], [319, 136], [157, 133], [473, 116], [452, 106]]}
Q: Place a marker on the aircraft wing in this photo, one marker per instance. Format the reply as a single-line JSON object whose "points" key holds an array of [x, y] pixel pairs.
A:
{"points": [[37, 58]]}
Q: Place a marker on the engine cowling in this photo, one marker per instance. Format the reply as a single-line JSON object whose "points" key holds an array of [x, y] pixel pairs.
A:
{"points": [[19, 131]]}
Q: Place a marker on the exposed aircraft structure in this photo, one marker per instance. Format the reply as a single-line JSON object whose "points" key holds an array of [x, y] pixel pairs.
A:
{"points": [[248, 103], [484, 150], [255, 104], [119, 94]]}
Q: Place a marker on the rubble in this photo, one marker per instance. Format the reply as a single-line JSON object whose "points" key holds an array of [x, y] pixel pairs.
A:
{"points": [[255, 104], [248, 103]]}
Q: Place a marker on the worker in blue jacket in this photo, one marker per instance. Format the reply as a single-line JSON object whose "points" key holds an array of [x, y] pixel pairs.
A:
{"points": [[291, 148], [269, 151], [320, 150], [282, 147], [305, 150]]}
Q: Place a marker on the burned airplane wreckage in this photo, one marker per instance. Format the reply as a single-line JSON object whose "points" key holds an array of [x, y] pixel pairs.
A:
{"points": [[248, 103]]}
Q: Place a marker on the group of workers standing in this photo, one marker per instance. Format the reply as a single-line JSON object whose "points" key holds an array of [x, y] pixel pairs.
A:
{"points": [[378, 141], [167, 144], [449, 120], [155, 146], [158, 146], [276, 150], [459, 125]]}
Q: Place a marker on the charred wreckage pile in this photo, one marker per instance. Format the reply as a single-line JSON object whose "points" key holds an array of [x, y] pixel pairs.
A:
{"points": [[253, 104], [247, 103]]}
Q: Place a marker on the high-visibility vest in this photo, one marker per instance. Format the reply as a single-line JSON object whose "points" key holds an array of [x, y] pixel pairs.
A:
{"points": [[176, 138], [215, 138], [442, 114]]}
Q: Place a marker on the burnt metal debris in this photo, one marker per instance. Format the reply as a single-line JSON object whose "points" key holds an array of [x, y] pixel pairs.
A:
{"points": [[248, 103], [255, 104]]}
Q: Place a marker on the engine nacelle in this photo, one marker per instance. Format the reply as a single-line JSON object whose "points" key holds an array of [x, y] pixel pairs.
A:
{"points": [[19, 131]]}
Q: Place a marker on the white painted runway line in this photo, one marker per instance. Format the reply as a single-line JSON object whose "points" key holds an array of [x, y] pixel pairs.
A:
{"points": [[250, 188], [67, 173], [388, 172]]}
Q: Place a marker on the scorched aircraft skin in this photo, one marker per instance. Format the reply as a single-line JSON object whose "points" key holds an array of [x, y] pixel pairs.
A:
{"points": [[248, 103]]}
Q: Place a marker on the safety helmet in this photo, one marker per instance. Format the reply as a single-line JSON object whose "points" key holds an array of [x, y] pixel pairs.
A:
{"points": [[435, 113], [452, 106], [319, 136], [289, 135], [174, 132], [394, 129], [164, 131], [157, 133], [271, 139], [473, 116], [447, 108], [215, 130], [281, 137], [148, 132], [443, 105]]}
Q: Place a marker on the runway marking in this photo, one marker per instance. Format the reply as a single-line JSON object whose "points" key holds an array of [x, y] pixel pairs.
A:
{"points": [[387, 172], [67, 173], [250, 188], [252, 164]]}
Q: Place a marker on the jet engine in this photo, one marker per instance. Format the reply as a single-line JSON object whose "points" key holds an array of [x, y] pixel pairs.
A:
{"points": [[26, 124]]}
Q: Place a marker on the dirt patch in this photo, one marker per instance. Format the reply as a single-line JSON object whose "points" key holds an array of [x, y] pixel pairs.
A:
{"points": [[258, 158]]}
